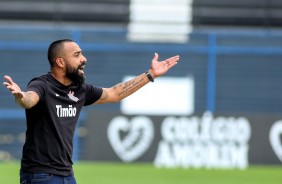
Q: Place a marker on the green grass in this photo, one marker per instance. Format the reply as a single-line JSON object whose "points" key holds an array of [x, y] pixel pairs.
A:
{"points": [[118, 173]]}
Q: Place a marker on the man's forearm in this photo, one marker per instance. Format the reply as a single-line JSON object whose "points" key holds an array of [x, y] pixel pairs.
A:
{"points": [[25, 101], [127, 88]]}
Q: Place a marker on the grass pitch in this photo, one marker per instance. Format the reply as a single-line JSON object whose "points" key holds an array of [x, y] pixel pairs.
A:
{"points": [[119, 173]]}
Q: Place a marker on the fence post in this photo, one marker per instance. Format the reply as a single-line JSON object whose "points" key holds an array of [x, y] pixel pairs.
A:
{"points": [[211, 73]]}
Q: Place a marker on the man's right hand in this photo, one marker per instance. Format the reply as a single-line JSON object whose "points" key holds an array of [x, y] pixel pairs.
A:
{"points": [[13, 87], [25, 99]]}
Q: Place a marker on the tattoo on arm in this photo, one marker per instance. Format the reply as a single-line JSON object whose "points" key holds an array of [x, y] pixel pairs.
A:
{"points": [[130, 87], [122, 90]]}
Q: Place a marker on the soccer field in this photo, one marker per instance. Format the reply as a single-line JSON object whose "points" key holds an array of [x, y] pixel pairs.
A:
{"points": [[118, 173]]}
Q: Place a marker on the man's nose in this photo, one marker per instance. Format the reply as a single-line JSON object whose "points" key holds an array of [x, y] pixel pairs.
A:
{"points": [[84, 59]]}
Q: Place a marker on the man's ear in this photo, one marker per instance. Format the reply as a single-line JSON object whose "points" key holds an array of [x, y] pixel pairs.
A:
{"points": [[60, 62]]}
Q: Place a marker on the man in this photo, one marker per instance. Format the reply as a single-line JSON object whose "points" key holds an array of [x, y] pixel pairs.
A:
{"points": [[52, 103]]}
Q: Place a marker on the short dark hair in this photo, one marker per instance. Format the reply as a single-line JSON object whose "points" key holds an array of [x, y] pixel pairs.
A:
{"points": [[54, 49]]}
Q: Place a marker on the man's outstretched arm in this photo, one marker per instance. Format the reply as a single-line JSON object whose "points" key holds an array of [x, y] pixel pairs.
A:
{"points": [[25, 99], [123, 90]]}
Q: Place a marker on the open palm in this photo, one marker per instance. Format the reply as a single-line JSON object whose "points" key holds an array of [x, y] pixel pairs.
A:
{"points": [[13, 87], [159, 68]]}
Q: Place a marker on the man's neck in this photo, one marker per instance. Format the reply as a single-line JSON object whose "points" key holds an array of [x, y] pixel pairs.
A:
{"points": [[61, 78]]}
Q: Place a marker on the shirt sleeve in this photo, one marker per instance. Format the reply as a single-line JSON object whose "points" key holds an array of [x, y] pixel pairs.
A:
{"points": [[92, 94], [36, 85]]}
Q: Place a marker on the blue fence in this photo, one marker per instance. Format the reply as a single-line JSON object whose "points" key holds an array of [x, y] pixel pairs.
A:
{"points": [[107, 41], [235, 72]]}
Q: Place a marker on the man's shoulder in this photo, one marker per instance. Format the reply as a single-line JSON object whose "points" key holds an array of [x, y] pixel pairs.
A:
{"points": [[40, 79]]}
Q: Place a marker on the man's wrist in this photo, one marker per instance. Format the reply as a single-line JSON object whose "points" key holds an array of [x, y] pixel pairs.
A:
{"points": [[150, 77]]}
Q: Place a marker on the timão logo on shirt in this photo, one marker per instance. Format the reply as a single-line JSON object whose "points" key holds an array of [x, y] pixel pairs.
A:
{"points": [[66, 111]]}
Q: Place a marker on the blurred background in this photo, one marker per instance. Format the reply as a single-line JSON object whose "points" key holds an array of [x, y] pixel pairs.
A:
{"points": [[220, 107]]}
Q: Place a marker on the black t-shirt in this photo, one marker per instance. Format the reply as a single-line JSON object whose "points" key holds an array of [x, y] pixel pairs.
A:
{"points": [[51, 124]]}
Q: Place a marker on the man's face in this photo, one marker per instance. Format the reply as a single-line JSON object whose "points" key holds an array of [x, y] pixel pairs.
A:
{"points": [[74, 62]]}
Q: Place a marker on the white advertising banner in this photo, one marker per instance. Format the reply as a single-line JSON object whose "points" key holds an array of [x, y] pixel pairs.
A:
{"points": [[167, 96]]}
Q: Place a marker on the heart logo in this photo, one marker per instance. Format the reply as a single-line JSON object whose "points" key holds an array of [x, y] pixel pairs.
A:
{"points": [[275, 138], [130, 139]]}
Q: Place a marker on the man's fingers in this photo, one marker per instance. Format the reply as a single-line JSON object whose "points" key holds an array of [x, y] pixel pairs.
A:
{"points": [[9, 79], [9, 87], [173, 60], [156, 57], [6, 84]]}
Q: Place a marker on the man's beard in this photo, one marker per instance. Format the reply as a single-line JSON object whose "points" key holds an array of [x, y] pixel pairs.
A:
{"points": [[74, 76]]}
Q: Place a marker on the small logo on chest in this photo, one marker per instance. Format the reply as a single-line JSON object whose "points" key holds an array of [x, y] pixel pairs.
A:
{"points": [[72, 97]]}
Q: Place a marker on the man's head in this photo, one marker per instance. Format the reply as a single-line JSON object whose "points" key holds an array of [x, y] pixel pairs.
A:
{"points": [[66, 56]]}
